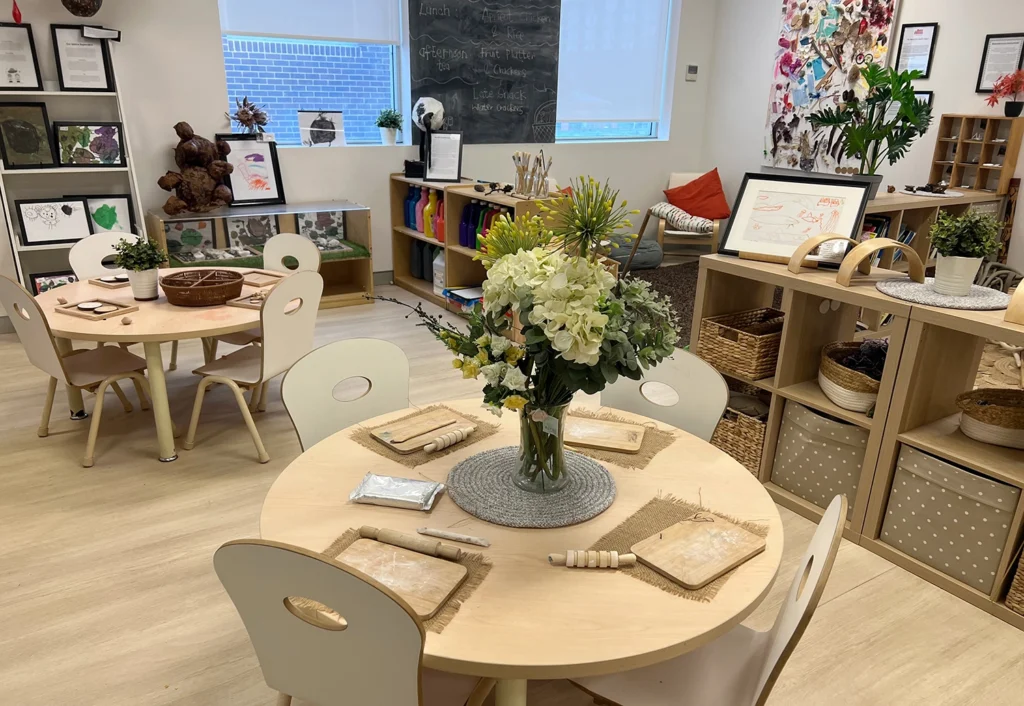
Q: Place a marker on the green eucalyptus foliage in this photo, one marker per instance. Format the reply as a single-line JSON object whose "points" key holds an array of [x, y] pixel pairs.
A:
{"points": [[973, 234], [138, 255]]}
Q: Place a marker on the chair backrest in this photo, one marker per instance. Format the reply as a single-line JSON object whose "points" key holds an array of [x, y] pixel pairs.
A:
{"points": [[701, 391], [308, 388], [287, 325], [32, 328], [285, 245], [87, 255], [360, 645], [682, 178], [804, 594]]}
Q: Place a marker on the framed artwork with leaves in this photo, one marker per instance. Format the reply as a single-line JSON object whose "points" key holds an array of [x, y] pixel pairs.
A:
{"points": [[90, 144], [112, 213]]}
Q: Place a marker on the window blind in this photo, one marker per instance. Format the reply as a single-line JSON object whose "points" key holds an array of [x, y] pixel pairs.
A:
{"points": [[612, 60], [363, 21]]}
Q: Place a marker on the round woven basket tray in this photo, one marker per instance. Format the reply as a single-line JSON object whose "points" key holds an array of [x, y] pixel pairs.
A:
{"points": [[848, 388], [202, 287], [993, 416]]}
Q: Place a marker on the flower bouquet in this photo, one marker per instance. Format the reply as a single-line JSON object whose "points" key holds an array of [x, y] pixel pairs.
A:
{"points": [[581, 328]]}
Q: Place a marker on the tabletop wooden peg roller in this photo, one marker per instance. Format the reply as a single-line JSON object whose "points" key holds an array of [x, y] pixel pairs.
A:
{"points": [[584, 559], [414, 543], [451, 438]]}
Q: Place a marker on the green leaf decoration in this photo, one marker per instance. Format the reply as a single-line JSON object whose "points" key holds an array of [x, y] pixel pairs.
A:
{"points": [[105, 216], [192, 237]]}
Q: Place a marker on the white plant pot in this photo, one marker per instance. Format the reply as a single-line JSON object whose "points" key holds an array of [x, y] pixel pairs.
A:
{"points": [[389, 135], [955, 275], [144, 284]]}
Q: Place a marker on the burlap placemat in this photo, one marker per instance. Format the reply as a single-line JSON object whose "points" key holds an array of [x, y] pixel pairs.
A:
{"points": [[476, 564], [363, 437], [660, 513], [655, 441]]}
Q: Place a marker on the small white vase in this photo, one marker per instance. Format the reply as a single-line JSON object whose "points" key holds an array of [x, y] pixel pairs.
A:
{"points": [[955, 275], [389, 135], [144, 284]]}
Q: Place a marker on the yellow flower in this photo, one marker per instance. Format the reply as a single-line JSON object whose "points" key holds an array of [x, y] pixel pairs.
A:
{"points": [[514, 354], [515, 402], [484, 340], [470, 369], [457, 363], [483, 357], [453, 344]]}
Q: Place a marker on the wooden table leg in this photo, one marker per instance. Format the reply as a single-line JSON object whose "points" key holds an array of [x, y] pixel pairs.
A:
{"points": [[161, 407], [75, 402], [510, 692]]}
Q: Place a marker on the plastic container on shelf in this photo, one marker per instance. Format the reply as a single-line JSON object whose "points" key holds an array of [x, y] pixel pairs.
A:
{"points": [[439, 272], [416, 258], [428, 214], [410, 207], [420, 205], [439, 222]]}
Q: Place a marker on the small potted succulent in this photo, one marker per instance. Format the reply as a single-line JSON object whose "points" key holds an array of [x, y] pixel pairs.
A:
{"points": [[1009, 86], [962, 243], [141, 258], [390, 122]]}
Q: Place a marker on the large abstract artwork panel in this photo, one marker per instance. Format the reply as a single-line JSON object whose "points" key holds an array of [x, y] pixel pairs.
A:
{"points": [[823, 44]]}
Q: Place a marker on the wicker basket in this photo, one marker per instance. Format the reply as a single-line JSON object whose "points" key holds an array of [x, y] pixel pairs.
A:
{"points": [[1015, 597], [202, 287], [848, 388], [993, 416], [745, 344], [742, 437]]}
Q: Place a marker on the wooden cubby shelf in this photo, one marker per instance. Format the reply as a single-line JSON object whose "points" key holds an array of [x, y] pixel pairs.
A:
{"points": [[809, 394], [944, 439], [960, 158]]}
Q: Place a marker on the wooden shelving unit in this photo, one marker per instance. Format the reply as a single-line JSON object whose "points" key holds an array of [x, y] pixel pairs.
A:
{"points": [[977, 153]]}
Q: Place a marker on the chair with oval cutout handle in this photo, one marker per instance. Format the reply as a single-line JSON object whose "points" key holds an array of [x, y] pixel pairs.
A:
{"points": [[308, 389], [855, 259], [741, 667], [328, 634], [701, 391]]}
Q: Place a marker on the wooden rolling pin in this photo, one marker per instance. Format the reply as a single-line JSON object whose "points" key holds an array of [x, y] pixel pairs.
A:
{"points": [[422, 545], [582, 559], [451, 438]]}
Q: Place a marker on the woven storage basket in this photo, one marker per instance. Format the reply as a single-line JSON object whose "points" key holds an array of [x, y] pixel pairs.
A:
{"points": [[848, 388], [746, 343], [993, 416], [1015, 598], [202, 287], [742, 437]]}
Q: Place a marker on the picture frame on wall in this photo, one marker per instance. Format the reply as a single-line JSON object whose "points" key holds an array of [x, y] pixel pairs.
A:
{"points": [[917, 46], [52, 221], [251, 231], [444, 157], [45, 281], [256, 179], [25, 138], [113, 213], [90, 144], [1003, 54], [774, 214], [83, 63], [19, 64], [322, 128], [925, 97]]}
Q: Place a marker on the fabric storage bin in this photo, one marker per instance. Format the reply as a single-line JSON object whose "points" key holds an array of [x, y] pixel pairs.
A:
{"points": [[949, 518], [745, 343], [818, 457]]}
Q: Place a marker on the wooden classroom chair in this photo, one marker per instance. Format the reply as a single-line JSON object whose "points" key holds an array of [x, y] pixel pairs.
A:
{"points": [[740, 668], [328, 634], [287, 320], [307, 389], [92, 370], [701, 393]]}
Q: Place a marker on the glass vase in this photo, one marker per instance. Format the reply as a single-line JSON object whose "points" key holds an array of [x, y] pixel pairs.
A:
{"points": [[542, 466]]}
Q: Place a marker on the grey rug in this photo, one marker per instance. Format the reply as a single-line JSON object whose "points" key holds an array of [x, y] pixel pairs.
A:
{"points": [[678, 283], [980, 298]]}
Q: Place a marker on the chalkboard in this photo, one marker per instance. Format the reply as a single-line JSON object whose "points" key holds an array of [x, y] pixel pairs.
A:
{"points": [[493, 64]]}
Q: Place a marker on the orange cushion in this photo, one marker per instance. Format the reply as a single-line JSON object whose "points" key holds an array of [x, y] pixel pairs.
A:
{"points": [[703, 197]]}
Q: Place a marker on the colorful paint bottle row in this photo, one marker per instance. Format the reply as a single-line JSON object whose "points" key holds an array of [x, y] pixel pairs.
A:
{"points": [[424, 212], [476, 221]]}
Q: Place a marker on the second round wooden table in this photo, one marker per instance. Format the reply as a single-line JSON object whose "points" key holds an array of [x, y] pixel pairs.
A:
{"points": [[529, 620]]}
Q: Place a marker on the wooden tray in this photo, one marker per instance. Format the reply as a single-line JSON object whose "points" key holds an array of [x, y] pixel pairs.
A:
{"points": [[243, 302], [109, 285], [413, 434], [72, 309], [695, 552], [604, 434], [262, 278], [425, 582]]}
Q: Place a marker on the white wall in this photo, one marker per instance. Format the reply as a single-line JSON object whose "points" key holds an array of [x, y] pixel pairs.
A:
{"points": [[745, 42]]}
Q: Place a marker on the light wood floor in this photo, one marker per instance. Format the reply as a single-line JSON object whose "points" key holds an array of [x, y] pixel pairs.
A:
{"points": [[108, 595]]}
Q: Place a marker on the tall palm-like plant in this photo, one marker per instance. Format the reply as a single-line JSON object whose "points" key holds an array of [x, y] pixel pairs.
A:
{"points": [[873, 131]]}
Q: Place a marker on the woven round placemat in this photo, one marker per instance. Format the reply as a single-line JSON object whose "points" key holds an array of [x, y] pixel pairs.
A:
{"points": [[482, 486], [980, 298]]}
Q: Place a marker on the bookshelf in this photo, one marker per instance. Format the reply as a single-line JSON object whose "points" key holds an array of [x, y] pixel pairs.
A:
{"points": [[977, 153]]}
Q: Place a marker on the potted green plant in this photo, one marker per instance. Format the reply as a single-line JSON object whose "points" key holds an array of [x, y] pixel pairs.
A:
{"points": [[962, 243], [141, 258], [1009, 86], [390, 122], [881, 126]]}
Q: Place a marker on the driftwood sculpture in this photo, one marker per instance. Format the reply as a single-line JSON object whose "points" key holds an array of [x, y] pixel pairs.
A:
{"points": [[199, 186]]}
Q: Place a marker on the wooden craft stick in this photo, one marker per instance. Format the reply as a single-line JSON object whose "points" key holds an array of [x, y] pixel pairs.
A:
{"points": [[421, 432], [449, 439], [412, 543], [581, 559], [454, 536]]}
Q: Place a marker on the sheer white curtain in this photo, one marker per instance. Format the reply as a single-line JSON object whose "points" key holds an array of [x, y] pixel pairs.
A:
{"points": [[612, 60], [365, 21]]}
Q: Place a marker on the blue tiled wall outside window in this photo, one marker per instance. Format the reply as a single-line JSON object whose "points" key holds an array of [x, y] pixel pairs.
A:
{"points": [[287, 76]]}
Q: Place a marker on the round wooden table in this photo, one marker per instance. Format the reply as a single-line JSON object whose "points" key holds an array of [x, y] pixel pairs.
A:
{"points": [[530, 620], [154, 323]]}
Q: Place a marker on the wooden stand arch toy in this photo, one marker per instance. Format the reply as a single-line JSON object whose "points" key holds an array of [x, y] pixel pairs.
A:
{"points": [[800, 261], [863, 253]]}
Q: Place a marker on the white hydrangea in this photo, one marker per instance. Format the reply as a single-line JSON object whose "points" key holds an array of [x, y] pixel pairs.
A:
{"points": [[526, 268], [566, 306]]}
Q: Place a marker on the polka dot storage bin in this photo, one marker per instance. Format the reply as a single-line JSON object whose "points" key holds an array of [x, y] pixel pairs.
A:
{"points": [[818, 457], [949, 518]]}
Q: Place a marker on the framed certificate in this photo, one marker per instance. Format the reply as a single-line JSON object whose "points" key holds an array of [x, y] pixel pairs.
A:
{"points": [[444, 157], [917, 44], [19, 65], [1004, 54], [83, 63]]}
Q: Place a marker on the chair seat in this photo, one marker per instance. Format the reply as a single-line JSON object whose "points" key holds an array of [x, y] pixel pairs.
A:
{"points": [[241, 338], [242, 366], [688, 234], [92, 366], [724, 672], [444, 689]]}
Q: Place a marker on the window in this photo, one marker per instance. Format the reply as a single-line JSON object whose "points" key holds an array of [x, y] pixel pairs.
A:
{"points": [[330, 55]]}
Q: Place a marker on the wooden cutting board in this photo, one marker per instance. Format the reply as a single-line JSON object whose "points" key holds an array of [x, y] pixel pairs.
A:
{"points": [[424, 582], [413, 434], [604, 434], [695, 552]]}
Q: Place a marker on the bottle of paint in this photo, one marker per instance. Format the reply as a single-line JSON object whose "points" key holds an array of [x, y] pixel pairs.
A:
{"points": [[410, 206], [439, 221], [420, 205], [428, 214]]}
